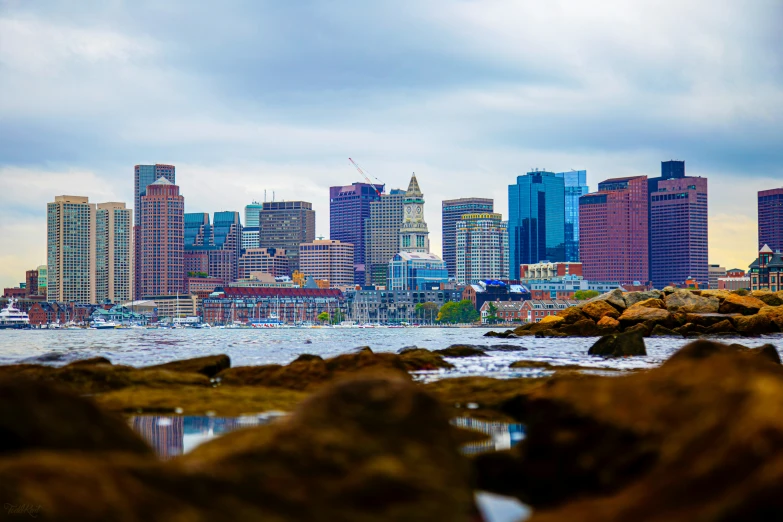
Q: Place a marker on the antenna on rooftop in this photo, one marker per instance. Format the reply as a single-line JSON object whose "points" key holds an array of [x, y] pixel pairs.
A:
{"points": [[264, 195]]}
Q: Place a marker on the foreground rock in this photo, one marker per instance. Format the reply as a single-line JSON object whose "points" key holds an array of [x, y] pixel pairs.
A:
{"points": [[666, 444], [619, 345], [462, 350], [210, 365]]}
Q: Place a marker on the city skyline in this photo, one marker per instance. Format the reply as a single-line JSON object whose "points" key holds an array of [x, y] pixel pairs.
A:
{"points": [[78, 108]]}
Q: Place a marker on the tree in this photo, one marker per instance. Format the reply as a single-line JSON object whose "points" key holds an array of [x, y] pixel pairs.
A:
{"points": [[492, 313], [454, 313], [337, 316], [582, 295], [198, 274], [426, 311], [323, 317]]}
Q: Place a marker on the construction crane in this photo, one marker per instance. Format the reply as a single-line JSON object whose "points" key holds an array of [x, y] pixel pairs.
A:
{"points": [[365, 176]]}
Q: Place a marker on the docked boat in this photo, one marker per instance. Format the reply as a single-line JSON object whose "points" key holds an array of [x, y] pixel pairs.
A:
{"points": [[13, 318], [100, 324]]}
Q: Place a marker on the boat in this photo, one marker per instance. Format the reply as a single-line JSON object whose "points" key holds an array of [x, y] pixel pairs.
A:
{"points": [[13, 318], [100, 324]]}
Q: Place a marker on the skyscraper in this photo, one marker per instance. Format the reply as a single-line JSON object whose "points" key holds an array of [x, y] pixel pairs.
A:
{"points": [[349, 209], [452, 211], [613, 231], [382, 235], [227, 236], [213, 248], [286, 225], [251, 213], [328, 259], [482, 248], [160, 266], [143, 176], [771, 219], [70, 249], [678, 227], [113, 253], [414, 234], [536, 221], [198, 230], [575, 187]]}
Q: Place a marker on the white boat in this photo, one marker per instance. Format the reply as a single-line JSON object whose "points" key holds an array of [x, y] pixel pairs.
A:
{"points": [[13, 318], [100, 324]]}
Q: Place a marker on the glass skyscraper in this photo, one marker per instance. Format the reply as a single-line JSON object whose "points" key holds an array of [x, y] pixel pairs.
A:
{"points": [[349, 209], [575, 187], [536, 224]]}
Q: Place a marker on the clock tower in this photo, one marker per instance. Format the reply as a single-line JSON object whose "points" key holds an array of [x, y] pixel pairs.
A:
{"points": [[414, 236]]}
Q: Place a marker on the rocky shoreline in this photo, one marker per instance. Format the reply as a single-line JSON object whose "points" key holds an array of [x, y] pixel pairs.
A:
{"points": [[698, 438], [668, 313]]}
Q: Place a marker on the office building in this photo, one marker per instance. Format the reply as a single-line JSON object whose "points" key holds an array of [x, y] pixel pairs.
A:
{"points": [[678, 227], [198, 229], [113, 253], [251, 214], [575, 187], [482, 248], [349, 209], [160, 266], [416, 271], [767, 270], [613, 231], [771, 218], [31, 283], [272, 261], [227, 237], [382, 236], [143, 176], [550, 270], [213, 248], [286, 225], [70, 249], [329, 260], [452, 211], [250, 238], [288, 305], [716, 272], [42, 279], [536, 223]]}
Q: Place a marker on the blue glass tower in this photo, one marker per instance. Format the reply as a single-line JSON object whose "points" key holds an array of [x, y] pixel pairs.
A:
{"points": [[536, 221], [575, 186]]}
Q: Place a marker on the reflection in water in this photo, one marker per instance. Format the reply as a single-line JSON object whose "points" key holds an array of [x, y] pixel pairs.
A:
{"points": [[172, 435], [502, 436]]}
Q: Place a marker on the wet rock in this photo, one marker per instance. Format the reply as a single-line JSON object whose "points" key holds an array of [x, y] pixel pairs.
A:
{"points": [[650, 303], [582, 328], [304, 375], [209, 365], [596, 310], [618, 345], [308, 357], [722, 327], [662, 331], [775, 315], [739, 304], [755, 325], [631, 298], [640, 314], [506, 348], [707, 320], [462, 350], [703, 349], [508, 334], [365, 449], [420, 359], [686, 301], [40, 416], [644, 329], [547, 323], [569, 315], [614, 298], [665, 444], [690, 330], [89, 362], [769, 298]]}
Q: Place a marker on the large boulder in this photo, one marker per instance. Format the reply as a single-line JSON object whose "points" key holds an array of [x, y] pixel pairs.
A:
{"points": [[650, 303], [690, 330], [421, 359], [752, 325], [462, 350], [582, 328], [641, 314], [608, 325], [209, 365], [720, 294], [615, 298], [688, 302], [597, 310], [769, 298], [707, 320], [775, 314], [569, 315], [41, 416], [631, 298], [662, 331], [741, 304], [619, 345], [703, 349], [724, 327]]}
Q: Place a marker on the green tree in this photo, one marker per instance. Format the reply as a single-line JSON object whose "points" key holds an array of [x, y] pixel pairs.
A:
{"points": [[198, 274], [582, 295], [426, 311], [492, 313], [454, 313], [323, 317], [337, 316]]}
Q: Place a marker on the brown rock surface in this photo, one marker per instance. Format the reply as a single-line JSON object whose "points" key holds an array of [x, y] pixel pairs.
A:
{"points": [[596, 310], [581, 328], [739, 304], [755, 324], [650, 303], [421, 359], [462, 350], [775, 314], [640, 314], [688, 302], [619, 345], [631, 298], [608, 325], [769, 298], [570, 315], [209, 365], [615, 298], [722, 327], [709, 319]]}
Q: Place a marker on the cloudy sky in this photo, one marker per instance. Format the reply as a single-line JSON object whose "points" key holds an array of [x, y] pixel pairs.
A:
{"points": [[244, 96]]}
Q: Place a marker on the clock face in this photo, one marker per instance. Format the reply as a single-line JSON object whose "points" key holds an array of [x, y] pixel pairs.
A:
{"points": [[418, 209], [408, 210]]}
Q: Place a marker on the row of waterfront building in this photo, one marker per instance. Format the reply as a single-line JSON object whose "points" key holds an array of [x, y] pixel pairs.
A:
{"points": [[632, 231]]}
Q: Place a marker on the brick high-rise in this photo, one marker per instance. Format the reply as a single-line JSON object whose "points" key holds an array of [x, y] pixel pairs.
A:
{"points": [[143, 176], [771, 219], [613, 231], [160, 267], [452, 211], [678, 227], [349, 209]]}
